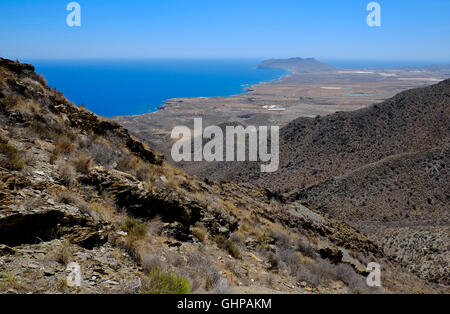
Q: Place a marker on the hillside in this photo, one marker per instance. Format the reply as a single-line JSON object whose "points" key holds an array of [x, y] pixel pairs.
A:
{"points": [[314, 150], [401, 201], [380, 169], [297, 65], [75, 187]]}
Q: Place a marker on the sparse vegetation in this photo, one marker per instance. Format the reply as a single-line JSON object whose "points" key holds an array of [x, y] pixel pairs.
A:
{"points": [[150, 262], [11, 158], [134, 228], [150, 211], [306, 249], [158, 281], [10, 282], [199, 232], [63, 254], [83, 163], [63, 148], [228, 245], [213, 279], [67, 173]]}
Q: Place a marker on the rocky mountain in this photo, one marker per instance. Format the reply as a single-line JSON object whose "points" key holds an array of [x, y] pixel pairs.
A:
{"points": [[380, 169], [297, 65], [77, 188]]}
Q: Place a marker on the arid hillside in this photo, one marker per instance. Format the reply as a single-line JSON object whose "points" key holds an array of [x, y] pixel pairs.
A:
{"points": [[314, 150], [381, 169], [76, 188]]}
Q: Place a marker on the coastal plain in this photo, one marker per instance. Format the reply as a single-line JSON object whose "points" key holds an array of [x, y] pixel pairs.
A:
{"points": [[301, 93]]}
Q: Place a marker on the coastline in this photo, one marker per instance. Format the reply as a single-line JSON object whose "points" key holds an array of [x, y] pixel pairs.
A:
{"points": [[245, 90], [275, 102]]}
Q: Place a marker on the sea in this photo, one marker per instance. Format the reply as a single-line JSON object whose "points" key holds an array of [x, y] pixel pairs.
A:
{"points": [[131, 87]]}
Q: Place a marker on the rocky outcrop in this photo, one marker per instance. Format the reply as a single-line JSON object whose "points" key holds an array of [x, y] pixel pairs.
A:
{"points": [[180, 210]]}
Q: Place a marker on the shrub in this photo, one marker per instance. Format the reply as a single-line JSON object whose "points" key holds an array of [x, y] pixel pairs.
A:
{"points": [[43, 131], [9, 281], [150, 262], [134, 228], [236, 238], [63, 255], [158, 281], [12, 160], [291, 259], [175, 259], [68, 198], [270, 279], [67, 173], [282, 240], [41, 79], [226, 244], [353, 281], [63, 147], [197, 259], [213, 279], [83, 163], [306, 249], [274, 260], [103, 154], [199, 232], [308, 275]]}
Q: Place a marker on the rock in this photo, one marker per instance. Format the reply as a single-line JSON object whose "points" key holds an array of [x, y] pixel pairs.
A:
{"points": [[111, 282], [334, 255], [44, 225], [6, 250], [49, 272], [163, 179]]}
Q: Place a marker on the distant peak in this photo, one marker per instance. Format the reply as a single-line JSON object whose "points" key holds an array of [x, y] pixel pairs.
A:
{"points": [[297, 65]]}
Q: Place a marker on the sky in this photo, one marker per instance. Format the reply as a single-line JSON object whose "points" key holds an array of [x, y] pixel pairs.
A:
{"points": [[416, 30]]}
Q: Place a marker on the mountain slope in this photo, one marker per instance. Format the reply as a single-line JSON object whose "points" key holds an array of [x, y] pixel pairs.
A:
{"points": [[401, 201], [78, 188], [379, 169], [314, 150]]}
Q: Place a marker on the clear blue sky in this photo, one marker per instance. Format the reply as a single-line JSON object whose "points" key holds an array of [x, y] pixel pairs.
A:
{"points": [[417, 30]]}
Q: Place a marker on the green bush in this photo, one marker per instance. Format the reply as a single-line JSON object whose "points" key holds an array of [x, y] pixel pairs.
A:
{"points": [[134, 227], [158, 281]]}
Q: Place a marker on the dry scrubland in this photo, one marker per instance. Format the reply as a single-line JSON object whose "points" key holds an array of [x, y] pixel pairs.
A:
{"points": [[78, 188]]}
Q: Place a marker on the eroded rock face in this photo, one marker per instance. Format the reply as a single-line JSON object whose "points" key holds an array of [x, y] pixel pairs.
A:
{"points": [[16, 67], [90, 122], [179, 210], [131, 195], [46, 225]]}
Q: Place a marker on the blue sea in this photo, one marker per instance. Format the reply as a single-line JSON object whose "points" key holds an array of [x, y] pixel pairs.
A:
{"points": [[124, 87]]}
